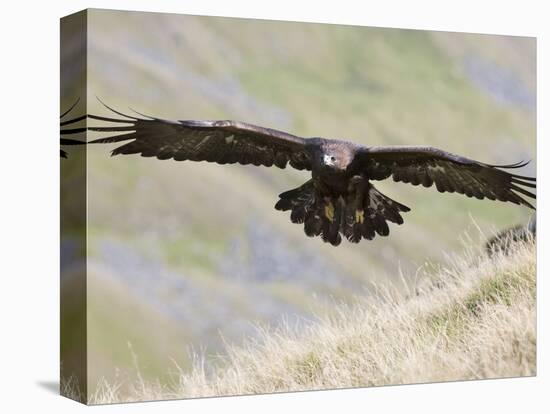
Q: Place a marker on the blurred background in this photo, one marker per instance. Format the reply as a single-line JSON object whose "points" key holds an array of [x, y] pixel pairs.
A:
{"points": [[185, 256]]}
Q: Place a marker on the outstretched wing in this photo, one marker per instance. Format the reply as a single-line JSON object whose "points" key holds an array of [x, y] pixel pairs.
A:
{"points": [[449, 172], [70, 131], [223, 142]]}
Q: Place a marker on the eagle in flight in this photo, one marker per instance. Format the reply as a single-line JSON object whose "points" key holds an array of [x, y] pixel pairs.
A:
{"points": [[340, 198]]}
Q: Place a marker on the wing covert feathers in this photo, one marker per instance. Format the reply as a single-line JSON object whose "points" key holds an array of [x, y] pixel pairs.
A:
{"points": [[451, 173], [222, 142]]}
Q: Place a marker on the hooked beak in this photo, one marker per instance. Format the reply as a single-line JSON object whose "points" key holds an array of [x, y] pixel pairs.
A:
{"points": [[327, 160]]}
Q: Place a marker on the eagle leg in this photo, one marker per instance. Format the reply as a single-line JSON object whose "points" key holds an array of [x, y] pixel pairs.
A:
{"points": [[361, 213]]}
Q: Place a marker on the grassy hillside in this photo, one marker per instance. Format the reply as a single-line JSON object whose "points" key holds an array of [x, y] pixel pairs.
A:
{"points": [[475, 319], [185, 255]]}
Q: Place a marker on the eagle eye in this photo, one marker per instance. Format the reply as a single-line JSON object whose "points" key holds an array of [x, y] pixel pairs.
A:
{"points": [[333, 158]]}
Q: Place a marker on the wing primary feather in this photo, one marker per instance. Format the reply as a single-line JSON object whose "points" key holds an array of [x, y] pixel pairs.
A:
{"points": [[519, 164], [113, 128], [522, 191], [71, 108], [67, 141], [116, 138], [107, 119], [521, 200], [72, 131], [531, 185], [523, 177], [146, 116], [72, 121], [115, 111]]}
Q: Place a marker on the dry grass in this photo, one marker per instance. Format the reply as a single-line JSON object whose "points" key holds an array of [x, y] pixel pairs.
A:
{"points": [[70, 388], [475, 319]]}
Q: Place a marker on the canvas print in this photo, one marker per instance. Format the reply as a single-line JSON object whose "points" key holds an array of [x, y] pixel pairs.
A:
{"points": [[253, 206]]}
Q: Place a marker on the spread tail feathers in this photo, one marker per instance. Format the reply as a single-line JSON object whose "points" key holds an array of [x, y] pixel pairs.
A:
{"points": [[361, 213]]}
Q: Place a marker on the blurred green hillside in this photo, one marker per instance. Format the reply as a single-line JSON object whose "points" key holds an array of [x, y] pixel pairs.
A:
{"points": [[187, 255]]}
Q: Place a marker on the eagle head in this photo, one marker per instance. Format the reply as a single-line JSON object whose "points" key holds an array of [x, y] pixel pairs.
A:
{"points": [[336, 157], [330, 160]]}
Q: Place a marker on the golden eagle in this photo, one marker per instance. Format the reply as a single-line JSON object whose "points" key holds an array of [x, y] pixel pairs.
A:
{"points": [[340, 198]]}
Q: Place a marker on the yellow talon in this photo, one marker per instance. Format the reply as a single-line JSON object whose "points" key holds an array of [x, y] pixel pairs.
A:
{"points": [[359, 216], [329, 211]]}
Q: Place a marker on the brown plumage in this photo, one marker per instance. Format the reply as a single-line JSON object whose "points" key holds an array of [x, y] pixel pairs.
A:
{"points": [[339, 200]]}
